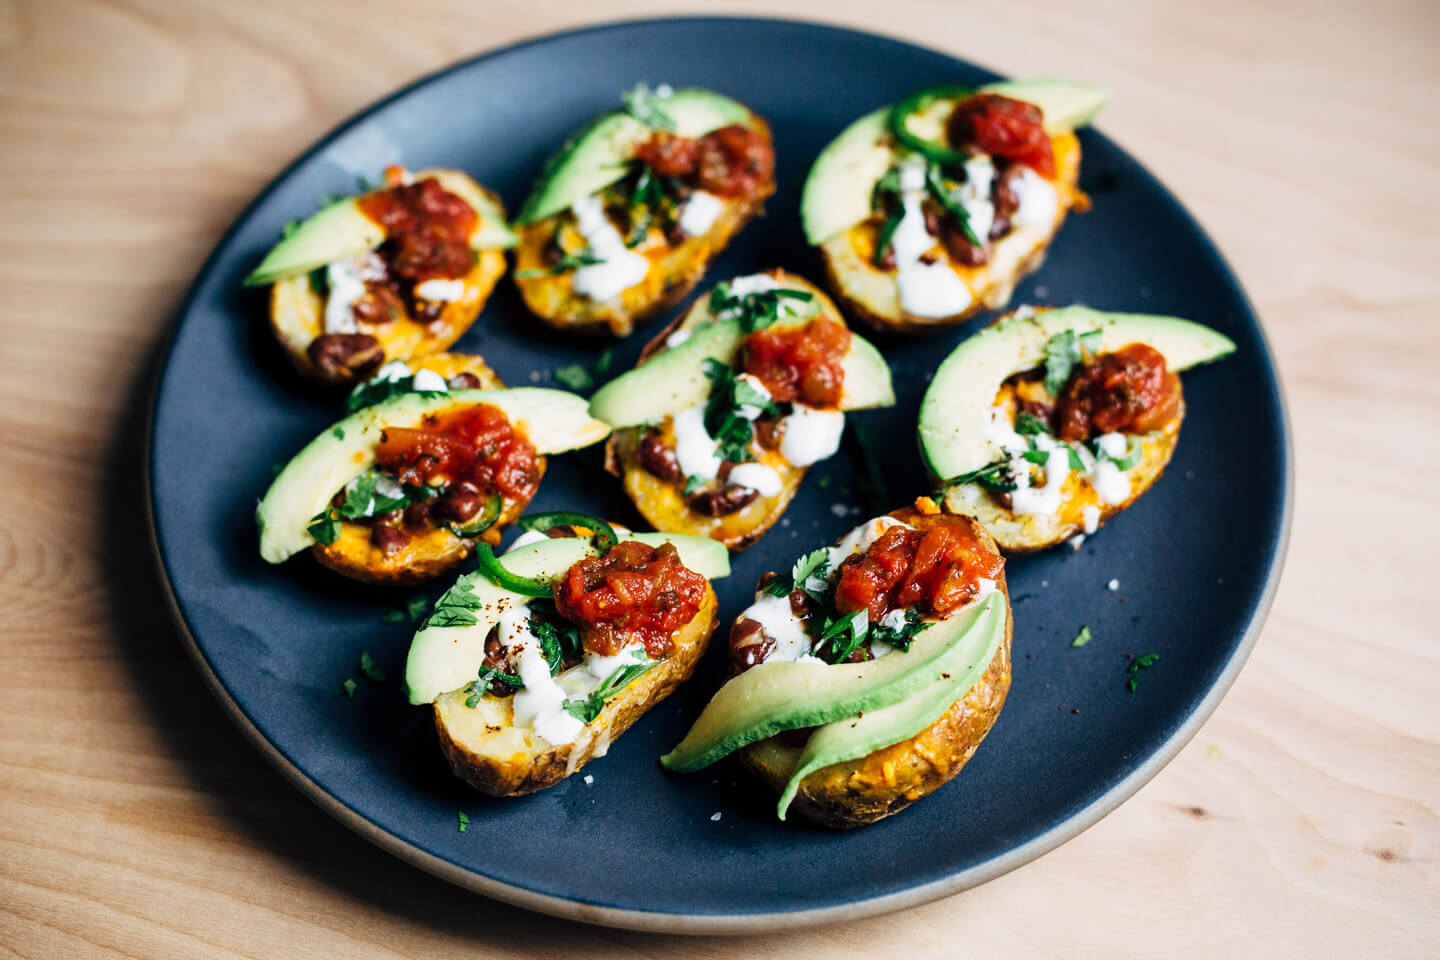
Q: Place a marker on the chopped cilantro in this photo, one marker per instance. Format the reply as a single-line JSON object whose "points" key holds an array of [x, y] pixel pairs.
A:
{"points": [[1029, 424], [844, 634], [463, 820], [566, 263], [575, 376], [324, 528], [586, 709], [732, 432], [1081, 638], [370, 669], [1063, 353], [456, 606], [993, 476], [693, 483], [902, 637], [1136, 665], [760, 309], [375, 390], [347, 688], [947, 195], [338, 433], [487, 678]]}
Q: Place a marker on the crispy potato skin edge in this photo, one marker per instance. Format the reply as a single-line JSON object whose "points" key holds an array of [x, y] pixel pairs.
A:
{"points": [[886, 781], [504, 777]]}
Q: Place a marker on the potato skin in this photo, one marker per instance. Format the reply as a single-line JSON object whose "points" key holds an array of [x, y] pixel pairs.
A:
{"points": [[674, 272], [886, 781], [661, 503], [485, 751], [869, 294], [437, 551], [1019, 534], [297, 314]]}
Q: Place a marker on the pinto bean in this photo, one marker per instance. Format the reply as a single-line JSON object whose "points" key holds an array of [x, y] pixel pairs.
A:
{"points": [[390, 540], [749, 643], [461, 502], [463, 381], [658, 458], [959, 246], [346, 356], [722, 502]]}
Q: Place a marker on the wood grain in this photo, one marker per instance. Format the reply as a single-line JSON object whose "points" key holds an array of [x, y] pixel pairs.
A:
{"points": [[1304, 820]]}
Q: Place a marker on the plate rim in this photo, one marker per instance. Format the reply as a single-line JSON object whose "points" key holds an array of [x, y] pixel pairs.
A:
{"points": [[708, 923]]}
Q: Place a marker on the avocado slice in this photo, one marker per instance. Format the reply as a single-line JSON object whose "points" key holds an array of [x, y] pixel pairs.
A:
{"points": [[956, 404], [838, 189], [445, 658], [873, 729], [554, 421], [780, 695], [341, 230], [601, 152], [675, 379]]}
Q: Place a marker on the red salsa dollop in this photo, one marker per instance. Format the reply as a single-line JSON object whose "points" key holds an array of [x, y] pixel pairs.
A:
{"points": [[1129, 390], [1003, 127], [800, 364], [474, 445], [427, 230], [635, 593], [935, 567], [730, 162]]}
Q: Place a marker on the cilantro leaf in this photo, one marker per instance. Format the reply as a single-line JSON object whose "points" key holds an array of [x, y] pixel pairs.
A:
{"points": [[728, 393], [760, 309], [1028, 424], [575, 376], [347, 688], [487, 678], [993, 476], [1063, 353], [324, 528], [456, 606], [844, 634], [1082, 638], [586, 709], [692, 483], [566, 263], [462, 820], [368, 667], [899, 638]]}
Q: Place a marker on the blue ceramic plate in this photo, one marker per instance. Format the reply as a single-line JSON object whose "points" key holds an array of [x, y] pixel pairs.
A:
{"points": [[1197, 558]]}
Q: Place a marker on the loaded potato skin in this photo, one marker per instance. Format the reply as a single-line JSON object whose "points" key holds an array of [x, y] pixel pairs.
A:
{"points": [[779, 344], [1050, 422], [408, 276], [566, 642], [869, 788], [485, 749], [931, 211], [601, 256]]}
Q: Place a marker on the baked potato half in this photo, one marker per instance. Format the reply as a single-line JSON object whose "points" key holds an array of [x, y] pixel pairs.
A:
{"points": [[731, 404], [394, 274], [540, 676], [1048, 423], [867, 677], [628, 215], [399, 492], [931, 211]]}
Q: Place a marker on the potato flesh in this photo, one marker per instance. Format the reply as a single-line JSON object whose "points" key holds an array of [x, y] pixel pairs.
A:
{"points": [[871, 292]]}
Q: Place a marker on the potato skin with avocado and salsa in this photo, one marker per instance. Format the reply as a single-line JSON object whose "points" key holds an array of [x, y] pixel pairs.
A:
{"points": [[866, 675]]}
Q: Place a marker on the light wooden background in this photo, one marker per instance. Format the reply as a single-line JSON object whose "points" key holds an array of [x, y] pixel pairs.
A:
{"points": [[1303, 821]]}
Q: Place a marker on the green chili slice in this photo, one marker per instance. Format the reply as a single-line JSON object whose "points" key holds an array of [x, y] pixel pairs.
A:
{"points": [[491, 567], [601, 533], [918, 102], [482, 521]]}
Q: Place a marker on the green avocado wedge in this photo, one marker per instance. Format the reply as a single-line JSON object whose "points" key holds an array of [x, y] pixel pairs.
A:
{"points": [[777, 696], [448, 650], [875, 729], [838, 190], [553, 420], [675, 379], [955, 409], [600, 153], [341, 230]]}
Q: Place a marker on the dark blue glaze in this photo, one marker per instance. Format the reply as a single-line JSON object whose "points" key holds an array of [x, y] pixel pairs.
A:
{"points": [[1195, 558]]}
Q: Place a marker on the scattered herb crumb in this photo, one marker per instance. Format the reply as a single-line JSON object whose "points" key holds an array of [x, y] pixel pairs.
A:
{"points": [[1082, 638], [338, 433], [583, 379], [823, 482], [276, 467], [368, 667], [1136, 665], [463, 820], [347, 688], [414, 611]]}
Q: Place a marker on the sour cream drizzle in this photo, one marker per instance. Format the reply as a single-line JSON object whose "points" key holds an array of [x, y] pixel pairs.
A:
{"points": [[925, 289], [619, 269]]}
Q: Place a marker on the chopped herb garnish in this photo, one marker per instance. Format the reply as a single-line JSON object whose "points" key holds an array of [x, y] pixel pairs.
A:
{"points": [[368, 667], [729, 393], [887, 234], [944, 193], [1042, 457], [487, 678], [324, 528], [1027, 424], [1136, 665], [1081, 638], [320, 281], [462, 820], [364, 499], [645, 105], [902, 637], [376, 390], [824, 482], [586, 709], [567, 262], [993, 476], [844, 634], [1063, 353], [456, 606], [559, 638], [575, 376], [338, 433], [870, 474], [693, 483], [347, 688], [759, 309]]}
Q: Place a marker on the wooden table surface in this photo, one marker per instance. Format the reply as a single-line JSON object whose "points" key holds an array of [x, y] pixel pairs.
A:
{"points": [[1303, 820]]}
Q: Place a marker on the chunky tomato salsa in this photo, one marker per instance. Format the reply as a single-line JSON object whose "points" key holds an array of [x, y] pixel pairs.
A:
{"points": [[635, 593]]}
